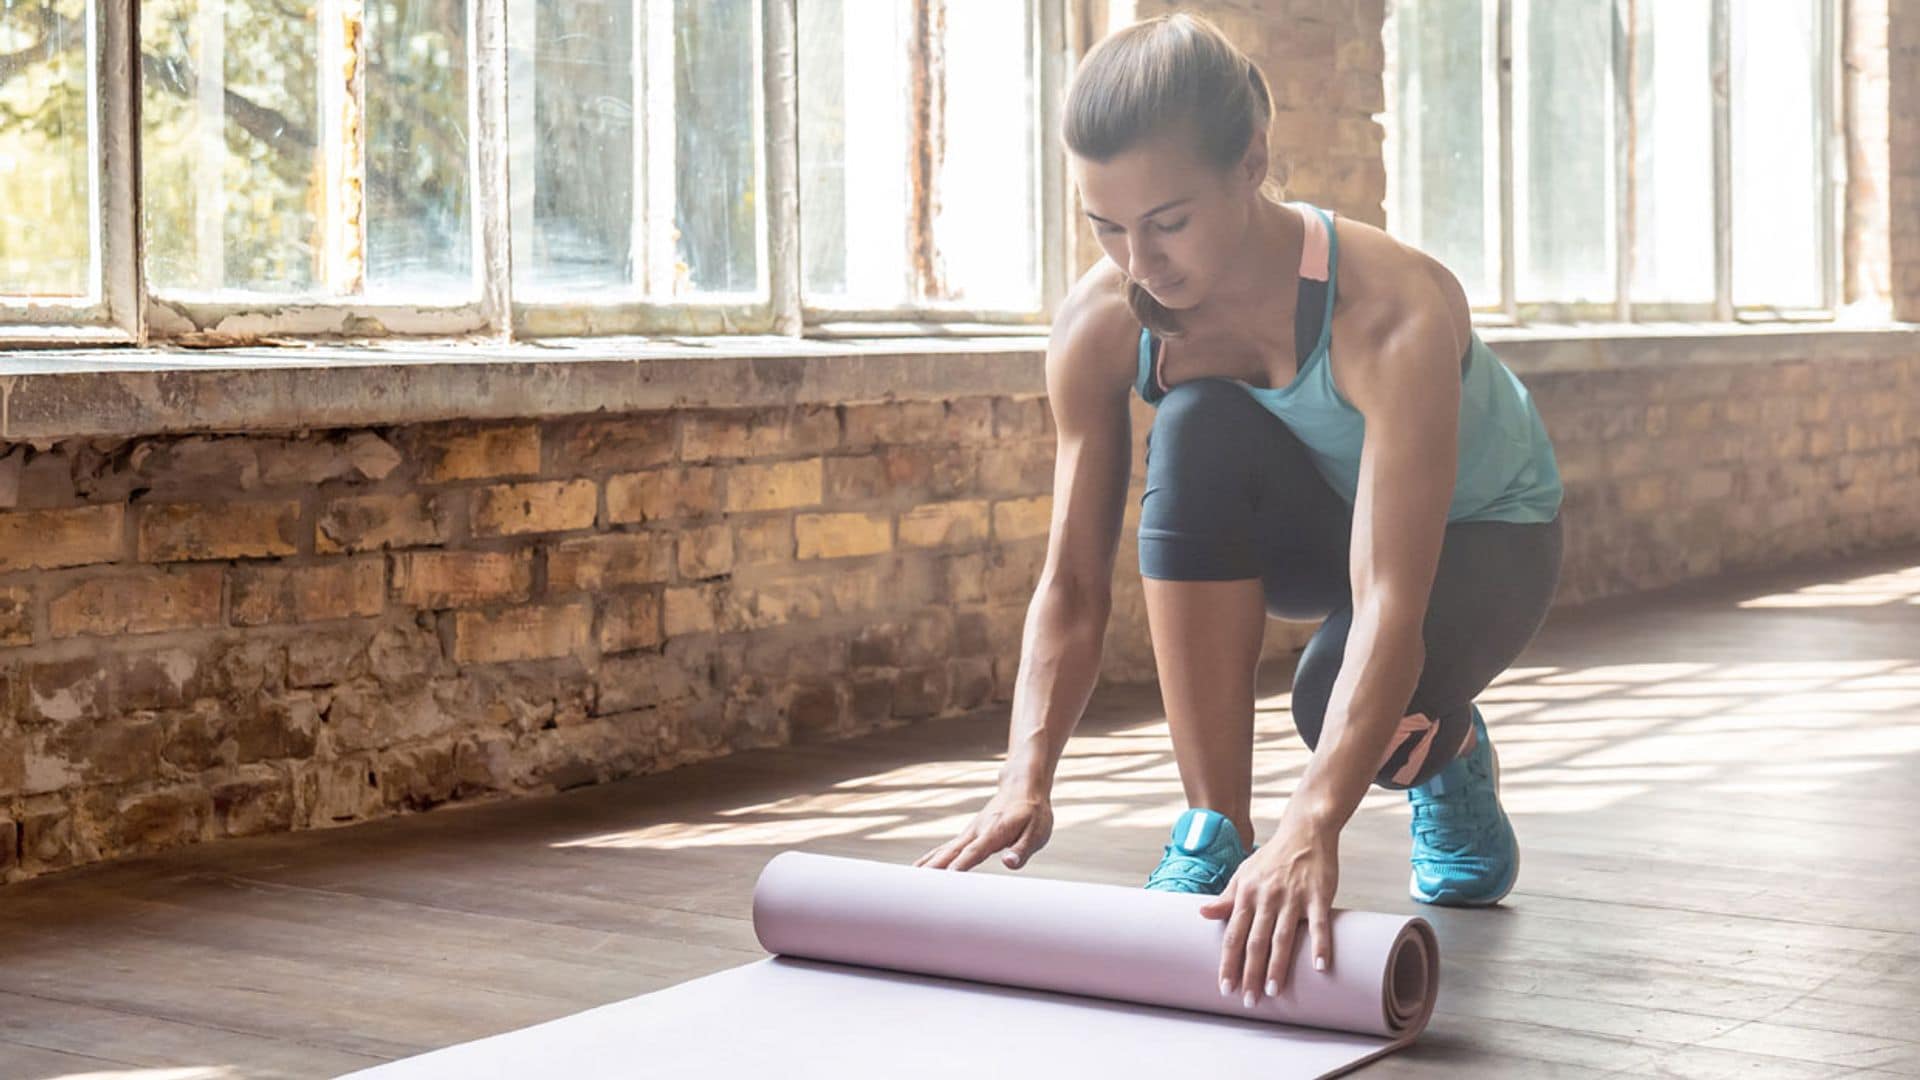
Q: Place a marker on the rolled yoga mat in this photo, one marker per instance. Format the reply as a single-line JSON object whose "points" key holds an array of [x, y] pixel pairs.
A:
{"points": [[885, 970]]}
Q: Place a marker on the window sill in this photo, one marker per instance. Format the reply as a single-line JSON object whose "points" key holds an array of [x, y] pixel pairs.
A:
{"points": [[121, 392]]}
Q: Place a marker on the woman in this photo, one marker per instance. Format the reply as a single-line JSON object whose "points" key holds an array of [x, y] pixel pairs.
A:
{"points": [[1271, 337]]}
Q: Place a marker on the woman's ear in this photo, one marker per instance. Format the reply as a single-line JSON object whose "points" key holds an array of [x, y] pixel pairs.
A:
{"points": [[1253, 164]]}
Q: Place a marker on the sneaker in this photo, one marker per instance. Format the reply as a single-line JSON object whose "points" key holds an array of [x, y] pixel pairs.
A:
{"points": [[1202, 857], [1464, 850]]}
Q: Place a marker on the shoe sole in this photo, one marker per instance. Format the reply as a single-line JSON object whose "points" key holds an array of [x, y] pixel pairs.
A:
{"points": [[1513, 877]]}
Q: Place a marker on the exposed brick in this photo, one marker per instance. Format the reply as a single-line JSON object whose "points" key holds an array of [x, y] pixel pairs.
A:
{"points": [[759, 433], [352, 588], [538, 507], [63, 691], [662, 494], [969, 420], [944, 524], [645, 680], [451, 579], [893, 422], [47, 539], [16, 616], [630, 621], [258, 799], [373, 522], [1018, 468], [521, 633], [852, 480], [780, 486], [691, 611], [159, 819], [157, 679], [763, 540], [180, 532], [818, 712], [706, 551], [449, 454], [609, 443], [138, 603], [840, 536], [772, 604], [1018, 418], [591, 563], [1018, 519]]}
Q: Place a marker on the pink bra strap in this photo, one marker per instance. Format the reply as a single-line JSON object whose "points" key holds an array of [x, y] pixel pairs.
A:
{"points": [[1313, 251]]}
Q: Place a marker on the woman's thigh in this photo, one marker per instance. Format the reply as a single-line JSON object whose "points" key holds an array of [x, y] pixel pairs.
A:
{"points": [[1490, 596]]}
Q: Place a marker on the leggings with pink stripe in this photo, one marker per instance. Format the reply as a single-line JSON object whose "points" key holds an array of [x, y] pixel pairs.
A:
{"points": [[1231, 494]]}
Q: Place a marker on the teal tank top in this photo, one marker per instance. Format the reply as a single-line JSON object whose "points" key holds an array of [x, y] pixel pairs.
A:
{"points": [[1507, 470]]}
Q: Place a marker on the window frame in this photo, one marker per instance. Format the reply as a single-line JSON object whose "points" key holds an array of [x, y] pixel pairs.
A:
{"points": [[1830, 154], [109, 314], [127, 310]]}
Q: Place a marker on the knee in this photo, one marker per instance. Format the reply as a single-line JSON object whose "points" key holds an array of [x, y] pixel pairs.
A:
{"points": [[1193, 429]]}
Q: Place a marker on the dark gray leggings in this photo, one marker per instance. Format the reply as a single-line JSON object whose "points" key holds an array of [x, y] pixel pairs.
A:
{"points": [[1231, 494]]}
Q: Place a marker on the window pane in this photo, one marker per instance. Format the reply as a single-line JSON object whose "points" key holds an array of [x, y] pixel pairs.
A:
{"points": [[229, 152], [1445, 194], [986, 228], [1673, 154], [1563, 150], [419, 195], [573, 224], [1777, 199], [706, 92], [46, 168], [854, 125]]}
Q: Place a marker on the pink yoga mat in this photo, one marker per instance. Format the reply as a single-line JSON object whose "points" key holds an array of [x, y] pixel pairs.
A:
{"points": [[885, 970]]}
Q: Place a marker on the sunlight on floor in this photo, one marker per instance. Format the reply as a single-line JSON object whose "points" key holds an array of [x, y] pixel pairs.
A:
{"points": [[1899, 586], [1572, 740]]}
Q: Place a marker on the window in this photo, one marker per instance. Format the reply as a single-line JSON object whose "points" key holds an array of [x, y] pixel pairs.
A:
{"points": [[1571, 160], [362, 167]]}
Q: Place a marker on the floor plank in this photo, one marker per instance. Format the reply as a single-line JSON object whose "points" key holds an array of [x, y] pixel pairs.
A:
{"points": [[1714, 787]]}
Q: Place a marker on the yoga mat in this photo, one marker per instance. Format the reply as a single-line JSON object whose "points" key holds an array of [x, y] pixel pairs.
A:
{"points": [[887, 970]]}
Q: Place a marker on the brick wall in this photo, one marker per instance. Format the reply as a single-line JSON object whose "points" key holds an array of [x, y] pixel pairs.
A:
{"points": [[207, 636]]}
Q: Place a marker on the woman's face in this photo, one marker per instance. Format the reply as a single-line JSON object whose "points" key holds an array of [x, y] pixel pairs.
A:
{"points": [[1173, 223]]}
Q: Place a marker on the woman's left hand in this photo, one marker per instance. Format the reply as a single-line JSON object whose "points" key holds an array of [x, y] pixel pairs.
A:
{"points": [[1292, 877]]}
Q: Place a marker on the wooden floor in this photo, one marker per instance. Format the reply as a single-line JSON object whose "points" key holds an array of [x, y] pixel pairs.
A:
{"points": [[1717, 791]]}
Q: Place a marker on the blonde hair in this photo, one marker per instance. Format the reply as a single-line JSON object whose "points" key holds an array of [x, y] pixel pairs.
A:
{"points": [[1169, 73]]}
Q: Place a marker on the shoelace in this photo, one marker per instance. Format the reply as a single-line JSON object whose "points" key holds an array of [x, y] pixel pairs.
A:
{"points": [[1187, 868]]}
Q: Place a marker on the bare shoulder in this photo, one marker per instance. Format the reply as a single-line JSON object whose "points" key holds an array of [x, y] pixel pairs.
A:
{"points": [[1389, 289], [1094, 347]]}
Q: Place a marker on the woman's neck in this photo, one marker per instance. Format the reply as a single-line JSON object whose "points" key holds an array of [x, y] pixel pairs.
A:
{"points": [[1258, 283]]}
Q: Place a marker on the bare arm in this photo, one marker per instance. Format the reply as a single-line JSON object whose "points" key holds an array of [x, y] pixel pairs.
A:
{"points": [[1087, 383], [1067, 618], [1407, 384]]}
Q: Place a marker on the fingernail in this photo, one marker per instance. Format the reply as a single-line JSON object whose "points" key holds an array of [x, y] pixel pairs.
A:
{"points": [[1247, 999], [1273, 988], [1319, 963], [1226, 988]]}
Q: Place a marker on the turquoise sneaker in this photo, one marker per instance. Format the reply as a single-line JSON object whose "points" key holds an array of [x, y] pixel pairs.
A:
{"points": [[1464, 850], [1204, 853]]}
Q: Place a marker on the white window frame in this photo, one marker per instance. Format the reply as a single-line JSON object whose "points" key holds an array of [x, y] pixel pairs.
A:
{"points": [[126, 310], [1830, 139], [109, 314]]}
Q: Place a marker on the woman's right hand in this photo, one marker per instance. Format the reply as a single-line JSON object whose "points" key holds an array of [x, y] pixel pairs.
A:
{"points": [[1018, 819]]}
